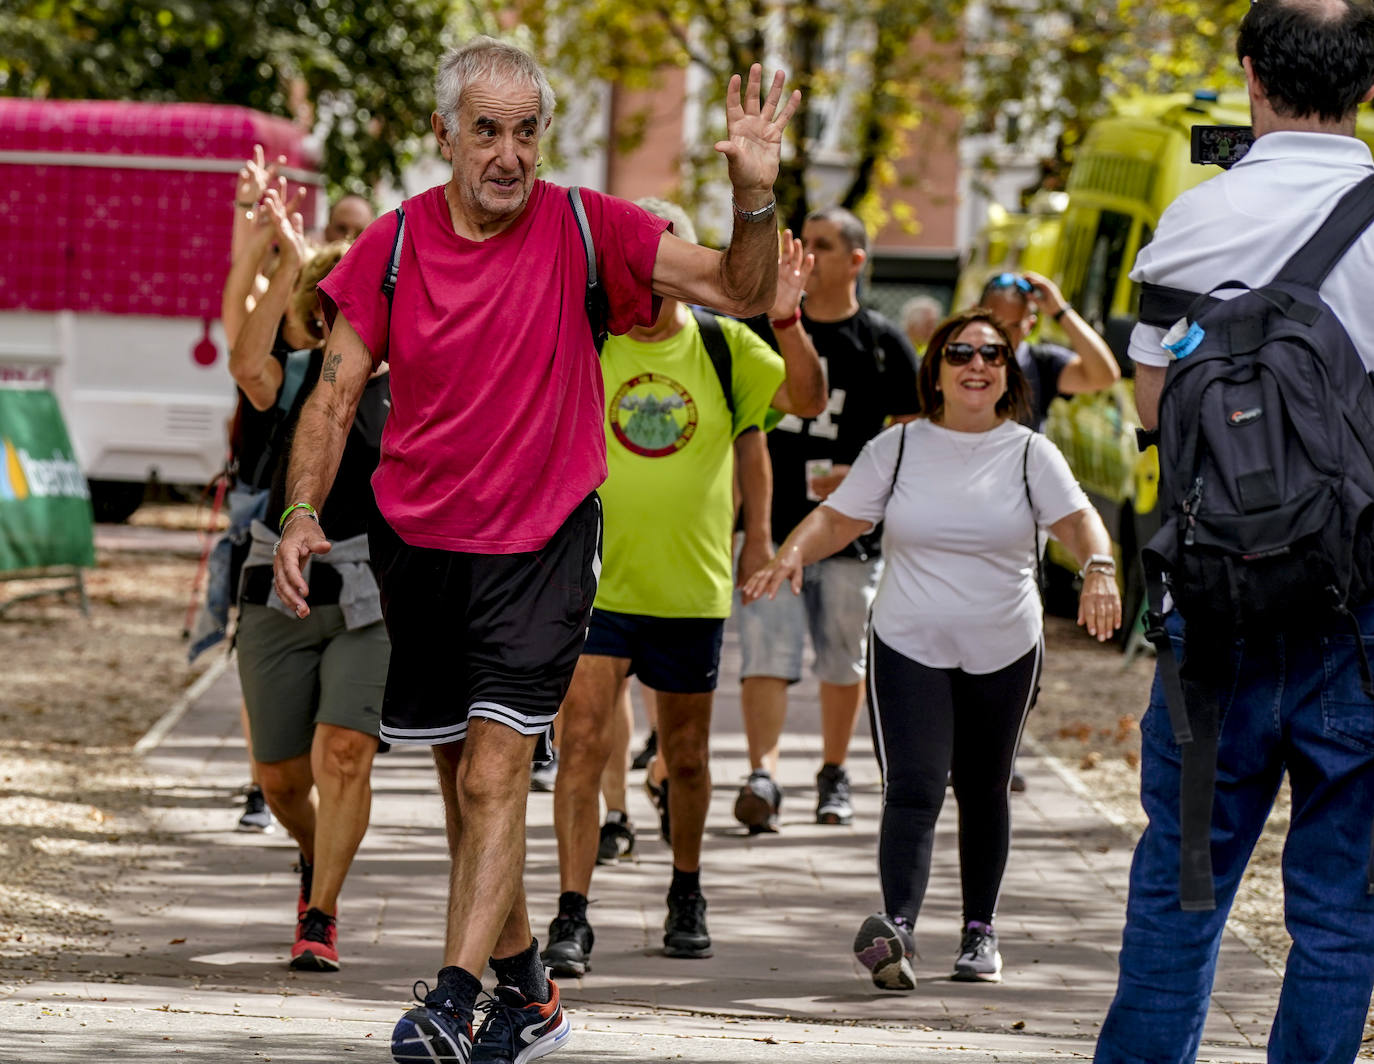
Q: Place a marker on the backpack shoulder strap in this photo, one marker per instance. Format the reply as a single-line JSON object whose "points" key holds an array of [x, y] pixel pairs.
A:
{"points": [[292, 377], [1312, 262], [393, 264], [595, 299], [718, 349]]}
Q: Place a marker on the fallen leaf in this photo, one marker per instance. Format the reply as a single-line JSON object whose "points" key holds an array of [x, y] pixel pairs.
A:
{"points": [[1019, 1025], [176, 942], [1090, 760]]}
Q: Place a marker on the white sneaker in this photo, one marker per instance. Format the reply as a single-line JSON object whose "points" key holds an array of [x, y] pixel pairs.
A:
{"points": [[978, 960]]}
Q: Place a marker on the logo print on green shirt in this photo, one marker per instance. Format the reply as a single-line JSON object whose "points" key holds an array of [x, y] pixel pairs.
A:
{"points": [[653, 415]]}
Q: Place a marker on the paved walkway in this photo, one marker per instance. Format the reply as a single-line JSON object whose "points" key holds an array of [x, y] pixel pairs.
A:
{"points": [[196, 967]]}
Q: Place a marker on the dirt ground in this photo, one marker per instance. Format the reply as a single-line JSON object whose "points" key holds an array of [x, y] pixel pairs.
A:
{"points": [[76, 694]]}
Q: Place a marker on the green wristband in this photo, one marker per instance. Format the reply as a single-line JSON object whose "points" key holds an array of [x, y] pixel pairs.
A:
{"points": [[292, 509]]}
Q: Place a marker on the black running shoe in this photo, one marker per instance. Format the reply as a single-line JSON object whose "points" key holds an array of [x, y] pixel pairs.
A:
{"points": [[646, 755], [885, 948], [979, 960], [758, 803], [432, 1032], [617, 838], [569, 952], [684, 931], [833, 805], [517, 1030]]}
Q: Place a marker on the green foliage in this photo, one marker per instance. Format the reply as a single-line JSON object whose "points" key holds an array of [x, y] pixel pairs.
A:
{"points": [[1062, 61], [365, 68], [860, 54]]}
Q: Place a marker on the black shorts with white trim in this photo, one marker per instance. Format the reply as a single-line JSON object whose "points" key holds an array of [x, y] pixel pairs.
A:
{"points": [[484, 635]]}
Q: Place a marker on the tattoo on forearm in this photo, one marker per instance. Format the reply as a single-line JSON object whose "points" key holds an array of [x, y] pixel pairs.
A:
{"points": [[331, 366]]}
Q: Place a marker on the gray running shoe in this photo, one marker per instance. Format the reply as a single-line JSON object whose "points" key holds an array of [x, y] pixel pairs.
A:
{"points": [[256, 816], [885, 948], [833, 804], [543, 777], [978, 960], [758, 803]]}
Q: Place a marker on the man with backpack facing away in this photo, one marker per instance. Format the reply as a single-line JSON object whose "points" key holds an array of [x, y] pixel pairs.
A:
{"points": [[1266, 417], [679, 393]]}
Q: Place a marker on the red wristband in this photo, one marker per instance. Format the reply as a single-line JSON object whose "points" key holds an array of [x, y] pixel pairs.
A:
{"points": [[786, 323]]}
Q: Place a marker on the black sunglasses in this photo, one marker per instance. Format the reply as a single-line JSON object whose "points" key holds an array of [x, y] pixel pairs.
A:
{"points": [[962, 354]]}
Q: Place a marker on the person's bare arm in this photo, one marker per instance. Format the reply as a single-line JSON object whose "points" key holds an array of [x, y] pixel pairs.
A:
{"points": [[741, 280], [821, 533], [250, 358], [803, 390], [241, 287], [1099, 603], [1094, 366], [316, 448], [754, 474], [1149, 383]]}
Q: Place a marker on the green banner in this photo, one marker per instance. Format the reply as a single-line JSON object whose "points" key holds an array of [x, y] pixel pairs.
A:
{"points": [[45, 507]]}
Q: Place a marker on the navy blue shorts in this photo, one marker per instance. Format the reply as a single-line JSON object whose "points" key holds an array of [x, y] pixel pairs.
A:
{"points": [[678, 654]]}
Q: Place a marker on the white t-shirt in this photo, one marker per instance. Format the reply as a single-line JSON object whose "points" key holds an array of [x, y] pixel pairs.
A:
{"points": [[958, 588], [1244, 224]]}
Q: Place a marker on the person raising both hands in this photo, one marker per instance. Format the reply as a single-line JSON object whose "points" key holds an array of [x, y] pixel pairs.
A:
{"points": [[956, 637]]}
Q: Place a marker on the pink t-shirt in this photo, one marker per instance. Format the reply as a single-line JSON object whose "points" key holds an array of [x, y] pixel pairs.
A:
{"points": [[495, 433]]}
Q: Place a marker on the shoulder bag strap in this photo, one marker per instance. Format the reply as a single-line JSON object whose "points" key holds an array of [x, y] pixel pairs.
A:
{"points": [[1035, 525], [718, 349], [595, 298]]}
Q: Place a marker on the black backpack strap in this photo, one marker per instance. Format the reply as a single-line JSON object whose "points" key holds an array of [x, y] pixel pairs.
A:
{"points": [[1312, 262], [393, 264], [718, 349], [598, 310], [1161, 305], [1195, 716]]}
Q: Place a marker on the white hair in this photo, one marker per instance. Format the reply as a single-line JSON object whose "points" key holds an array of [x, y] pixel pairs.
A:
{"points": [[487, 59], [682, 225], [913, 308]]}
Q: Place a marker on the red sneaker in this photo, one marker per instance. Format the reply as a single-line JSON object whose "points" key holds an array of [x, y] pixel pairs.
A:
{"points": [[316, 947]]}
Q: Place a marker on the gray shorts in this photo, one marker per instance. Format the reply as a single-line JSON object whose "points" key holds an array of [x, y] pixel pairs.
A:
{"points": [[836, 596], [299, 673]]}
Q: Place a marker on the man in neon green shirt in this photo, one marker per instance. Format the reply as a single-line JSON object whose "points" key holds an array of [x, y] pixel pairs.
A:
{"points": [[665, 582]]}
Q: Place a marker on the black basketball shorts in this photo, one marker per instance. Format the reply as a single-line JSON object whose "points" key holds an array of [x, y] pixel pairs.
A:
{"points": [[484, 635]]}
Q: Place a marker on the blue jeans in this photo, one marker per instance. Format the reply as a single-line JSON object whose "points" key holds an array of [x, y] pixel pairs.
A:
{"points": [[1289, 702]]}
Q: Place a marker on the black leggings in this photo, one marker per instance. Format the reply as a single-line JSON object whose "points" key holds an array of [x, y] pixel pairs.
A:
{"points": [[930, 723]]}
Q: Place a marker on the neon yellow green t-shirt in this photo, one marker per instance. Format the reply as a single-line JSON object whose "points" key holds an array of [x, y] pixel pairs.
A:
{"points": [[669, 508]]}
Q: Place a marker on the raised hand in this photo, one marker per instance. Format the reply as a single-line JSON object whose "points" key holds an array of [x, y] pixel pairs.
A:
{"points": [[287, 225], [753, 130], [256, 176], [794, 268]]}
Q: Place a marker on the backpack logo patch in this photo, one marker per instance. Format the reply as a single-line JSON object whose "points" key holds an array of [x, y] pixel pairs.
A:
{"points": [[1244, 417]]}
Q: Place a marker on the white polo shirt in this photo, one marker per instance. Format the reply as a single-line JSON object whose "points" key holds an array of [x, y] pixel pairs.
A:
{"points": [[1244, 224]]}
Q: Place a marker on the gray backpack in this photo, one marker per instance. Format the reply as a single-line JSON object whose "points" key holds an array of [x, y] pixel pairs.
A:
{"points": [[1266, 448]]}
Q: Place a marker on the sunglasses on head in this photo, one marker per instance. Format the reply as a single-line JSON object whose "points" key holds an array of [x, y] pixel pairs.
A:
{"points": [[962, 354], [1009, 280]]}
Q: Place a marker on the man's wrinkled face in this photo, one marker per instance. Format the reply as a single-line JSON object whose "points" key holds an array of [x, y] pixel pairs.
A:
{"points": [[494, 149]]}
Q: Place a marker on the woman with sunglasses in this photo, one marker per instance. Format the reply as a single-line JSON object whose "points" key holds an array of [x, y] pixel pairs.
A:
{"points": [[956, 630]]}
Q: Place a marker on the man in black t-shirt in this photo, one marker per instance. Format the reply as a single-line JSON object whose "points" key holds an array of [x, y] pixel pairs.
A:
{"points": [[871, 377], [1087, 365]]}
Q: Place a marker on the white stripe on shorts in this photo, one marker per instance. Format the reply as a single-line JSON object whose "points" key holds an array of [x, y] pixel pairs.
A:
{"points": [[450, 733], [524, 723]]}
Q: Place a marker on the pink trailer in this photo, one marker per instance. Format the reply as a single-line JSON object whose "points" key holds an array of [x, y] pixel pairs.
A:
{"points": [[115, 221]]}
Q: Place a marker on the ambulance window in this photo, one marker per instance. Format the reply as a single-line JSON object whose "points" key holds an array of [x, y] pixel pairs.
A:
{"points": [[1105, 267]]}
